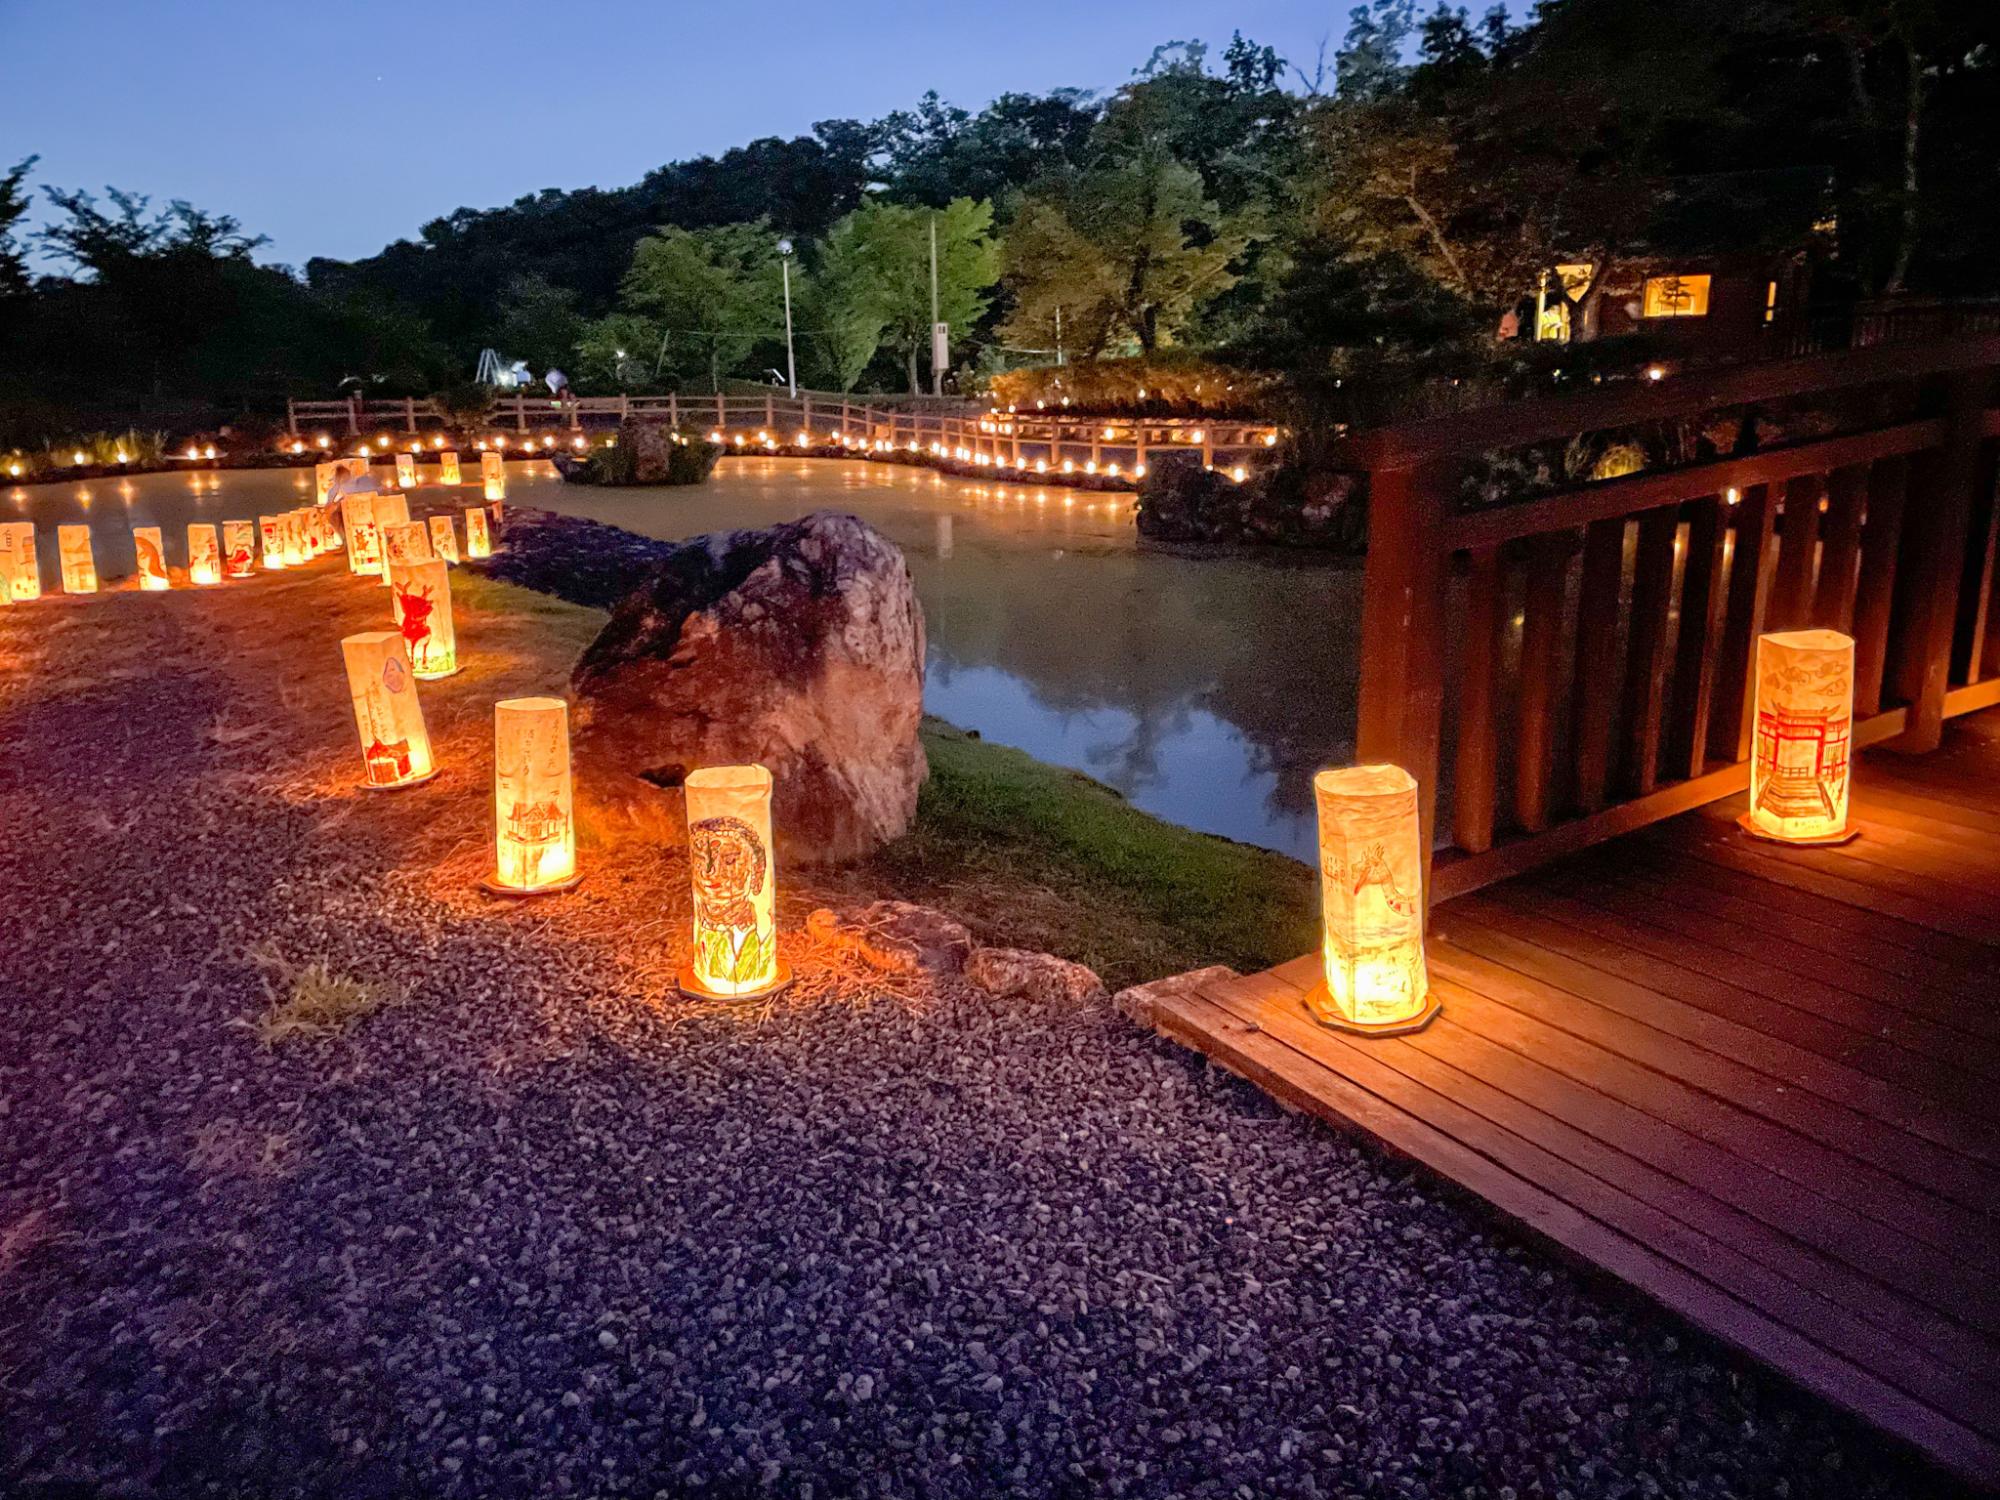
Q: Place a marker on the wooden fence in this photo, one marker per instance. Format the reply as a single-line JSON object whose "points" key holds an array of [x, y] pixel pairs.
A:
{"points": [[966, 429], [1579, 664]]}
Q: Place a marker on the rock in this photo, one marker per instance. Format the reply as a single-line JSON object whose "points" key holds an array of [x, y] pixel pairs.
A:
{"points": [[1180, 501], [898, 937], [1037, 976], [1137, 1002], [800, 648], [648, 451]]}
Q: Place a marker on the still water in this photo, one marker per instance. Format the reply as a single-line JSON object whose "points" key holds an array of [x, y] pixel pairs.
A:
{"points": [[1206, 688]]}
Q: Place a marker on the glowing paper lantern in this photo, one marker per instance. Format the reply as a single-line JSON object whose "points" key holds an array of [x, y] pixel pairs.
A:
{"points": [[355, 466], [395, 747], [444, 538], [152, 555], [270, 531], [406, 470], [729, 858], [20, 569], [239, 549], [292, 538], [478, 543], [404, 544], [448, 468], [534, 830], [364, 536], [323, 477], [1804, 747], [204, 555], [493, 470], [1371, 902], [79, 565], [421, 593], [392, 510]]}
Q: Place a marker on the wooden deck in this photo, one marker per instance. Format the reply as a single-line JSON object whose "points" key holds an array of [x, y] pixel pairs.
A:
{"points": [[1761, 1085]]}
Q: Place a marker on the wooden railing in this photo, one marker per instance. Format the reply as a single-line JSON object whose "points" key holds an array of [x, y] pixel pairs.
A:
{"points": [[983, 435], [1577, 665]]}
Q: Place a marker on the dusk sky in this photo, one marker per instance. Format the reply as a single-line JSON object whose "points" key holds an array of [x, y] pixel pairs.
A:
{"points": [[334, 129]]}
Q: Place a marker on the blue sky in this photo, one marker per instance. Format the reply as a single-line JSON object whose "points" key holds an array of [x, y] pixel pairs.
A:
{"points": [[335, 127]]}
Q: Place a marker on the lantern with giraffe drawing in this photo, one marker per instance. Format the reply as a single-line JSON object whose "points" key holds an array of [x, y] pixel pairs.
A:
{"points": [[204, 555], [493, 472], [151, 554], [1373, 975], [239, 549], [421, 593], [448, 468], [735, 885], [1801, 757], [534, 828], [79, 563], [444, 537], [395, 746]]}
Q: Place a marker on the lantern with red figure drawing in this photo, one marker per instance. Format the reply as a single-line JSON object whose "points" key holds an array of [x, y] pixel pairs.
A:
{"points": [[239, 549], [421, 592], [395, 747], [151, 553], [270, 531], [1801, 756]]}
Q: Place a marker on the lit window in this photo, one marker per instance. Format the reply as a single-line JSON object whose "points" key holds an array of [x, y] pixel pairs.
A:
{"points": [[1552, 319], [1770, 301], [1676, 297]]}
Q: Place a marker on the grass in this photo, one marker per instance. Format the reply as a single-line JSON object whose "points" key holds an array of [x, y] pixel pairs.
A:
{"points": [[569, 627], [309, 1000]]}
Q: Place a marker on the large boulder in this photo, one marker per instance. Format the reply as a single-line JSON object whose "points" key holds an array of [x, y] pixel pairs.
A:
{"points": [[800, 648]]}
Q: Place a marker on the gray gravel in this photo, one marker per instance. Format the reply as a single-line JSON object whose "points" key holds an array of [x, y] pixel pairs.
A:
{"points": [[524, 1235]]}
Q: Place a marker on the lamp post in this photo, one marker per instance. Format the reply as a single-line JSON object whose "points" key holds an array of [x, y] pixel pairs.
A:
{"points": [[785, 269]]}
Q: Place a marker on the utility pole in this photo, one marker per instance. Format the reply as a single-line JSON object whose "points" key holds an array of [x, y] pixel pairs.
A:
{"points": [[940, 335], [785, 267]]}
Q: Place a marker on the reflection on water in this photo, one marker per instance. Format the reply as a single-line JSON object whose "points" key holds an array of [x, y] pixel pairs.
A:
{"points": [[1205, 688]]}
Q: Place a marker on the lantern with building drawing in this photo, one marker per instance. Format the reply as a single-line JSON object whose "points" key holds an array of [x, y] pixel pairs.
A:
{"points": [[444, 538], [448, 468], [239, 549], [493, 471], [735, 886], [20, 568], [421, 594], [204, 555], [151, 554], [478, 541], [534, 830], [1371, 902], [395, 747], [1802, 753], [79, 564]]}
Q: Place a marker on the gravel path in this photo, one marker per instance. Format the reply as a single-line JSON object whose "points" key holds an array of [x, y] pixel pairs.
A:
{"points": [[535, 1230]]}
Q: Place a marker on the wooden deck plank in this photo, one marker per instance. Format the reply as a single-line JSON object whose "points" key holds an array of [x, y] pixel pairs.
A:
{"points": [[1756, 1082]]}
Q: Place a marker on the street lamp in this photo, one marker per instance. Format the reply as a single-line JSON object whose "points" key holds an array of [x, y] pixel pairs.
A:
{"points": [[785, 269]]}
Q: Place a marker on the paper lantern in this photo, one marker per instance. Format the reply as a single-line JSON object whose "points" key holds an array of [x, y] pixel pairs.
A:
{"points": [[735, 887], [1804, 745], [352, 467], [364, 536], [79, 565], [323, 477], [421, 594], [204, 555], [406, 471], [271, 535], [20, 569], [403, 544], [444, 538], [493, 470], [152, 556], [392, 510], [1371, 902], [534, 829], [395, 747], [292, 537], [448, 468], [239, 549], [478, 543]]}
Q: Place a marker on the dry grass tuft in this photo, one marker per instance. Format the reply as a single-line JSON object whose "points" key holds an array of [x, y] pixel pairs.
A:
{"points": [[310, 1000]]}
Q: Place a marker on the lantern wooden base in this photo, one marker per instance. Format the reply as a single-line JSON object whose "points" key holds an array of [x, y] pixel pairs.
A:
{"points": [[695, 990], [493, 887], [397, 786], [1827, 840], [1319, 1005]]}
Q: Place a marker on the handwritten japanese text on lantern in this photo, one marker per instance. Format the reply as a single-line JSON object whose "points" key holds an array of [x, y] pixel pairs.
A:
{"points": [[478, 542], [1804, 745], [270, 531], [204, 554], [444, 538], [735, 886], [79, 564], [395, 747], [364, 536], [20, 569], [448, 468], [493, 470], [421, 592], [535, 833], [1371, 898], [404, 543], [151, 553]]}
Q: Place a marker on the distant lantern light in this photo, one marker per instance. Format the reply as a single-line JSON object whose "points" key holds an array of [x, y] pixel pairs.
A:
{"points": [[151, 553], [805, 439], [321, 441], [121, 456], [735, 885], [1803, 751], [1371, 902], [1069, 466], [77, 458], [715, 437], [208, 451], [239, 549], [577, 442], [1270, 440], [448, 468], [493, 473], [444, 538], [534, 825], [1656, 372], [20, 568], [1239, 473], [437, 441], [79, 564], [192, 452], [1138, 471], [270, 531], [406, 471], [204, 555], [395, 746], [364, 536], [421, 592], [478, 540]]}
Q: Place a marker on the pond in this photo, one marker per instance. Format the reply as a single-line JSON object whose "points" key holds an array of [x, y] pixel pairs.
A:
{"points": [[1205, 687]]}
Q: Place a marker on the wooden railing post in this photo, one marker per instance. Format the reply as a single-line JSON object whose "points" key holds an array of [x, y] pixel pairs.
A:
{"points": [[1403, 629], [409, 414], [291, 417], [354, 414], [1935, 524]]}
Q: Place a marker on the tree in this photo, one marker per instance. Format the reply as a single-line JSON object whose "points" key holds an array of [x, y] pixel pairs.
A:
{"points": [[620, 350], [713, 293], [13, 204], [884, 251], [538, 322], [844, 304], [1128, 251]]}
